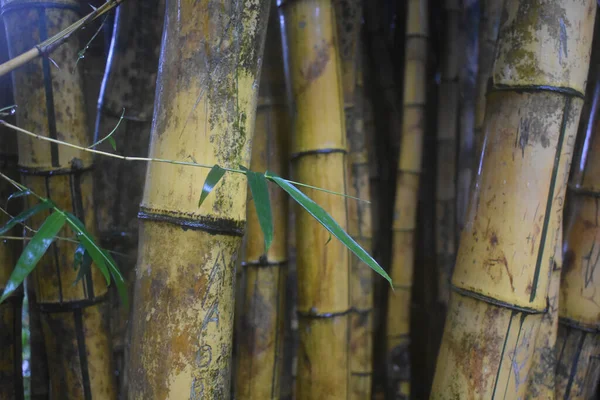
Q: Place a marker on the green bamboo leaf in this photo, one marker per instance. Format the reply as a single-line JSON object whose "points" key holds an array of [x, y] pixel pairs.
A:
{"points": [[83, 261], [329, 223], [25, 215], [34, 250], [262, 203], [214, 176], [16, 195], [102, 259], [112, 142], [78, 259]]}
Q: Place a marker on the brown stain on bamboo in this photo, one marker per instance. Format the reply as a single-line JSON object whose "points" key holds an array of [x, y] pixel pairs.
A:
{"points": [[205, 110], [514, 174]]}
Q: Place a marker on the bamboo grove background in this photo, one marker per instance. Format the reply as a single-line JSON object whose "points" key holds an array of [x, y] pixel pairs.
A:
{"points": [[471, 127]]}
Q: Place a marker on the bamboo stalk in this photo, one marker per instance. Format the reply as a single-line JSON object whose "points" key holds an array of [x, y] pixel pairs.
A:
{"points": [[578, 343], [127, 90], [348, 17], [260, 338], [11, 377], [318, 145], [488, 36], [205, 110], [51, 102], [407, 193], [447, 136], [501, 280]]}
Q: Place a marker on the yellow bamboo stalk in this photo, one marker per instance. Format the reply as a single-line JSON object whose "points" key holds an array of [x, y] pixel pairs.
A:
{"points": [[319, 159], [407, 193], [11, 377], [260, 337], [205, 110], [51, 102], [348, 17], [501, 280], [578, 344], [127, 90], [447, 146], [488, 36]]}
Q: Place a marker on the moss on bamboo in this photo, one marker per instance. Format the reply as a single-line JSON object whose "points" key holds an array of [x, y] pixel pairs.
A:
{"points": [[52, 104], [500, 284]]}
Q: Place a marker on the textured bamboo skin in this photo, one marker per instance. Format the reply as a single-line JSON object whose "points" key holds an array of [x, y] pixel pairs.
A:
{"points": [[447, 136], [51, 100], [578, 343], [507, 247], [407, 193], [128, 83], [205, 111], [11, 379], [348, 16], [319, 145], [488, 35], [260, 352]]}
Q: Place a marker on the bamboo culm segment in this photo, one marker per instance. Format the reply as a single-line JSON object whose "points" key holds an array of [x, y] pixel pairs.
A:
{"points": [[11, 376], [500, 284], [205, 111], [261, 331], [127, 89], [447, 147], [348, 17], [488, 35], [318, 144], [578, 343], [52, 103], [407, 193]]}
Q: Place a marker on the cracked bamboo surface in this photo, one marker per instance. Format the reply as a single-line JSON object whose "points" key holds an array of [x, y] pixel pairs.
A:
{"points": [[578, 344], [261, 331], [407, 193], [319, 144], [205, 111], [127, 88], [51, 103], [501, 279]]}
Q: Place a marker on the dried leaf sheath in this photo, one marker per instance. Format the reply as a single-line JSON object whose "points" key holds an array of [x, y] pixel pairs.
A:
{"points": [[52, 104], [127, 89], [501, 278], [260, 339], [318, 144], [578, 343], [407, 193], [204, 111]]}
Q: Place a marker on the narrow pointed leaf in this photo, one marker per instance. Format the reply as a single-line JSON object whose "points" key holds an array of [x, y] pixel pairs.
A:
{"points": [[262, 203], [102, 259], [329, 223], [78, 258], [25, 215], [112, 142], [18, 194], [34, 250], [214, 176], [84, 265]]}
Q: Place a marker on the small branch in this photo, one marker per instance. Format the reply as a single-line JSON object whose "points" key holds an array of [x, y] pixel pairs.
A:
{"points": [[49, 45]]}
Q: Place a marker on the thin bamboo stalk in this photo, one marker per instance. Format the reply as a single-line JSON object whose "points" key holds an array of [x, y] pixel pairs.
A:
{"points": [[51, 102], [407, 193], [205, 110], [11, 377], [447, 147], [318, 145], [348, 17], [488, 36], [466, 118], [260, 339], [578, 343], [127, 90], [501, 280]]}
